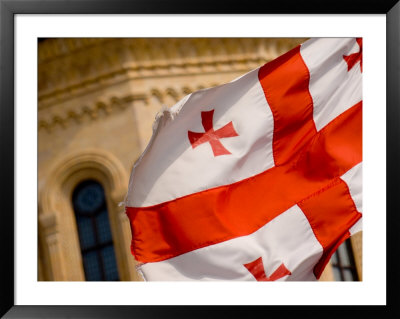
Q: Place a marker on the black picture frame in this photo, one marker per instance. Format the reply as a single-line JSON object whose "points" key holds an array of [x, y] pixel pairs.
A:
{"points": [[8, 10]]}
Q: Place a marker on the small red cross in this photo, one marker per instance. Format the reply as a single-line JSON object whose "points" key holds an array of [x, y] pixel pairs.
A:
{"points": [[352, 59], [212, 136], [256, 268]]}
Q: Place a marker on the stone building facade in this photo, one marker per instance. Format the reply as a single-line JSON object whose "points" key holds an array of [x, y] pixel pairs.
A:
{"points": [[97, 99]]}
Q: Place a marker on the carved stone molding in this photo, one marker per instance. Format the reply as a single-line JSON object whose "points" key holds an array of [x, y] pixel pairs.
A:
{"points": [[69, 66], [63, 117], [48, 223]]}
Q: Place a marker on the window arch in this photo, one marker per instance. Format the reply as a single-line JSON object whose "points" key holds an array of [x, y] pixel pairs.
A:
{"points": [[94, 231]]}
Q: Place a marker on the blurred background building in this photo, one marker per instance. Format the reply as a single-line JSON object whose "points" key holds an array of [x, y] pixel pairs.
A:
{"points": [[97, 99]]}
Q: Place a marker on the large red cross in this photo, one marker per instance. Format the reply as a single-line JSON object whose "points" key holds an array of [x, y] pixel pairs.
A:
{"points": [[314, 156], [307, 170], [256, 268], [210, 135], [353, 58]]}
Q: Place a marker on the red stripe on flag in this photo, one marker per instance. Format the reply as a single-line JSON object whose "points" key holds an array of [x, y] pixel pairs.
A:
{"points": [[330, 212], [285, 84], [172, 228]]}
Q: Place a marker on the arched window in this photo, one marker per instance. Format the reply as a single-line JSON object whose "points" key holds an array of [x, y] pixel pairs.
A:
{"points": [[94, 232]]}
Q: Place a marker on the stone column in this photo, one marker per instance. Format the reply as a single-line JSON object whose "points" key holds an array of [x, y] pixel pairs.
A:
{"points": [[51, 237], [123, 240], [327, 274], [127, 236], [356, 244]]}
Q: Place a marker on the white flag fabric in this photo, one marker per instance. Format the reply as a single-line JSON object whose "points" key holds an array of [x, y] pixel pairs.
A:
{"points": [[257, 179]]}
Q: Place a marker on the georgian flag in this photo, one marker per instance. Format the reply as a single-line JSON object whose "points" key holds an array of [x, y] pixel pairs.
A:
{"points": [[256, 179]]}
